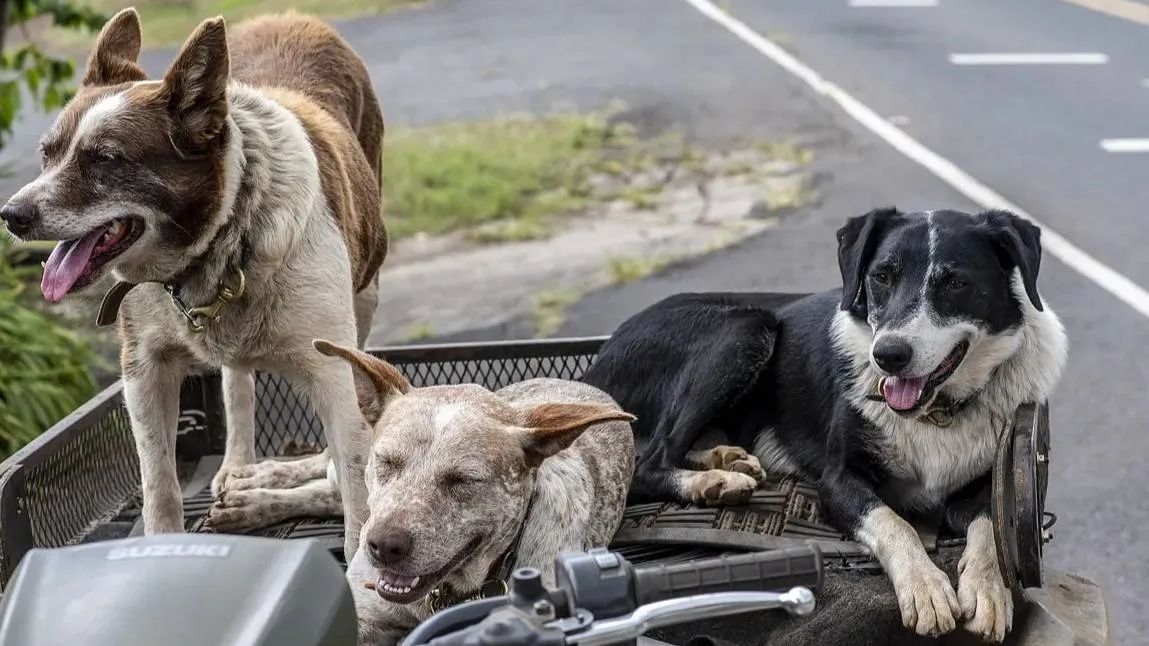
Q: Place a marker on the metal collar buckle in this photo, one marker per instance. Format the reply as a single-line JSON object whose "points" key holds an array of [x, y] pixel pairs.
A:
{"points": [[198, 317], [441, 598]]}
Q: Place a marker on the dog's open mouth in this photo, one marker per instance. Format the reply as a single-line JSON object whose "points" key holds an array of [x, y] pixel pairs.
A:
{"points": [[906, 394], [405, 588], [75, 263]]}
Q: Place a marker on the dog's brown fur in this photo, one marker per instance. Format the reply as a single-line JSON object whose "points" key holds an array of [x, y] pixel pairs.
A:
{"points": [[259, 150], [331, 93]]}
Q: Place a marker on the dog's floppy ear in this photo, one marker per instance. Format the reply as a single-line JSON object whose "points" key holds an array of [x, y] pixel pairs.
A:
{"points": [[196, 86], [857, 241], [376, 381], [546, 429], [1018, 244], [115, 57]]}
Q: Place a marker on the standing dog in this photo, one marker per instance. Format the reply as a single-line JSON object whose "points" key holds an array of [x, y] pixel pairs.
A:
{"points": [[465, 484], [237, 202], [889, 393]]}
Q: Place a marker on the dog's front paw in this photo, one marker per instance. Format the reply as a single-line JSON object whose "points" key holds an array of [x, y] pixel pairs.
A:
{"points": [[927, 601], [718, 487], [736, 459], [237, 512], [986, 604], [220, 480], [269, 474]]}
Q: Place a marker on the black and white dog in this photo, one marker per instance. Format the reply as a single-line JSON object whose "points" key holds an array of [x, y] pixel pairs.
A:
{"points": [[889, 393]]}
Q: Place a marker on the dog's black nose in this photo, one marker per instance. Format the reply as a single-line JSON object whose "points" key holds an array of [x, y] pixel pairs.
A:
{"points": [[893, 354], [20, 217], [390, 546]]}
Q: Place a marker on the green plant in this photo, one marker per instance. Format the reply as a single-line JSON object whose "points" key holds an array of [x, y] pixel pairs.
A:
{"points": [[46, 78], [45, 369]]}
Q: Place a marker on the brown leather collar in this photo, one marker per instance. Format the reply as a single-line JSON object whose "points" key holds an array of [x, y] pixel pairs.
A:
{"points": [[197, 318]]}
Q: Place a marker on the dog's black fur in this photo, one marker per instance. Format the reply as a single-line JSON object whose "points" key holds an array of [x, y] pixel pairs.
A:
{"points": [[744, 362]]}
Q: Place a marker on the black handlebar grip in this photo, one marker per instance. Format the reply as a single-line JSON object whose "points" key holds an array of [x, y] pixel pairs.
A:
{"points": [[774, 570]]}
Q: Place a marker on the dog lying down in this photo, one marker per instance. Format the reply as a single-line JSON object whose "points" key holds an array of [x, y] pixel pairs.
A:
{"points": [[889, 393], [464, 486]]}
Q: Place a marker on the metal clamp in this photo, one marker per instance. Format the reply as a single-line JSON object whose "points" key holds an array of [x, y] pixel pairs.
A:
{"points": [[198, 317]]}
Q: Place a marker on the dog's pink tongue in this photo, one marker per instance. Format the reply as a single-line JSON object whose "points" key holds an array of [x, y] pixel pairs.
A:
{"points": [[65, 265], [903, 394]]}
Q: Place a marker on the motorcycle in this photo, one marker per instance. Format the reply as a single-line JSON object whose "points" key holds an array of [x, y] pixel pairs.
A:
{"points": [[231, 590]]}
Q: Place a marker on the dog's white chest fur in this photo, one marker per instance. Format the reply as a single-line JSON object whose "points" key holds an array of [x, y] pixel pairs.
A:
{"points": [[927, 462]]}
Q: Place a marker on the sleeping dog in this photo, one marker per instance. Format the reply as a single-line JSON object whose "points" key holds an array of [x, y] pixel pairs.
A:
{"points": [[465, 486], [890, 393]]}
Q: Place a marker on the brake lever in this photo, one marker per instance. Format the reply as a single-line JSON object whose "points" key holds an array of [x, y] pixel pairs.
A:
{"points": [[797, 601]]}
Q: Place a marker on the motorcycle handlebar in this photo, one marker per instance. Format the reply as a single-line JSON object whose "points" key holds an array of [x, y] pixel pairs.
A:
{"points": [[772, 570], [624, 602]]}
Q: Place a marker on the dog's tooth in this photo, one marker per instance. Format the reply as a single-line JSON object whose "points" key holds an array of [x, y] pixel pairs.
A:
{"points": [[414, 583]]}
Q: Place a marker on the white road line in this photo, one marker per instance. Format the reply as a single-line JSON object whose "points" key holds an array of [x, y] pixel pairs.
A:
{"points": [[1053, 242], [883, 4], [1028, 58], [1125, 145]]}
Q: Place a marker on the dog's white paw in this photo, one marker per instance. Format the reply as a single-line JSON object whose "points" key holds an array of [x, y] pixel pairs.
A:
{"points": [[242, 511], [220, 480], [927, 601], [718, 487], [986, 603], [736, 459], [269, 474]]}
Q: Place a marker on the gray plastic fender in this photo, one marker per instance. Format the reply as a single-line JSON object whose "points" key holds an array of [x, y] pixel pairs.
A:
{"points": [[180, 590]]}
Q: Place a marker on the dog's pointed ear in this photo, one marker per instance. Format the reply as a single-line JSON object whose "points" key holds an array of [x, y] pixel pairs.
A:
{"points": [[196, 86], [1018, 244], [376, 381], [857, 241], [115, 57], [546, 429]]}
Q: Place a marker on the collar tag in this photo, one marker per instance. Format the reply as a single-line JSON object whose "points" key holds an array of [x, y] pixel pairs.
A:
{"points": [[940, 417]]}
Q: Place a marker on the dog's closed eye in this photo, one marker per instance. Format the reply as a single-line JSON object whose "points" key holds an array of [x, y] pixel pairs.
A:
{"points": [[459, 479], [388, 463]]}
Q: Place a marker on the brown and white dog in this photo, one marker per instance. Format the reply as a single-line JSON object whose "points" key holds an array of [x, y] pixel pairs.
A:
{"points": [[237, 202], [466, 485]]}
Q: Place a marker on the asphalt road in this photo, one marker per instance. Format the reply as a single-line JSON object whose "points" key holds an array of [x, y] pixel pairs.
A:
{"points": [[1030, 132]]}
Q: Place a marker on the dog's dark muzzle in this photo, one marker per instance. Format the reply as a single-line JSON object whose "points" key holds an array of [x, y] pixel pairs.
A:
{"points": [[21, 217]]}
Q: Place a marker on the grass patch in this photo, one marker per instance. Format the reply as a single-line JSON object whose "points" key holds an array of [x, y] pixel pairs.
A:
{"points": [[420, 331], [548, 310], [170, 22], [625, 270], [520, 230], [786, 150], [514, 171]]}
